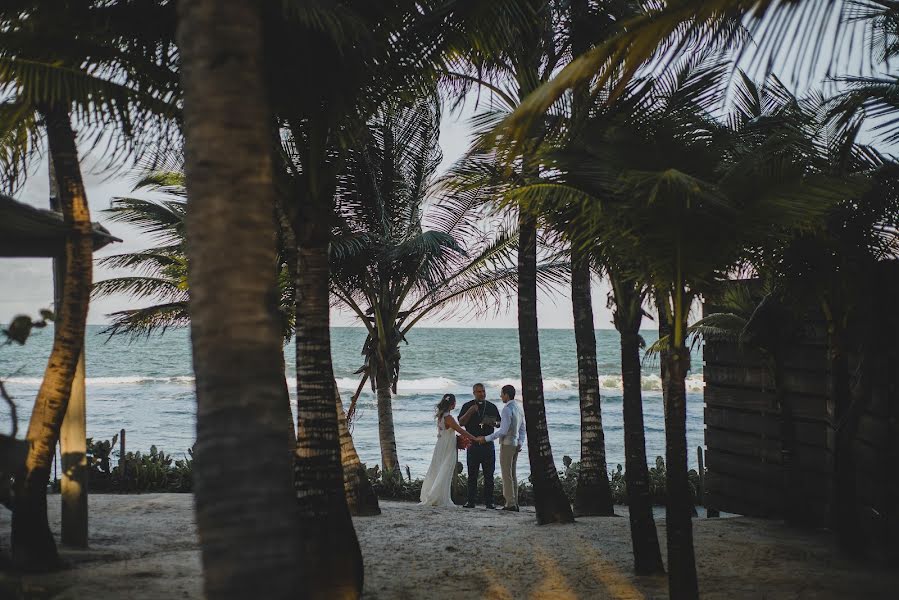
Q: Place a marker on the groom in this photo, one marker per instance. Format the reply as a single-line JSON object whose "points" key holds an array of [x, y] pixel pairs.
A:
{"points": [[512, 436], [479, 418]]}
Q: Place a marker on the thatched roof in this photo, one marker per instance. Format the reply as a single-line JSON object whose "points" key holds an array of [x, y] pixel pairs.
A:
{"points": [[29, 231]]}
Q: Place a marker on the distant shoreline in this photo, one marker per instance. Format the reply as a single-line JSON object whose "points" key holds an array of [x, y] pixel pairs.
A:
{"points": [[453, 328]]}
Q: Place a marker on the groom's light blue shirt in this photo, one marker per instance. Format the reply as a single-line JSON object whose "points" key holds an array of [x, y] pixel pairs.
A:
{"points": [[512, 430]]}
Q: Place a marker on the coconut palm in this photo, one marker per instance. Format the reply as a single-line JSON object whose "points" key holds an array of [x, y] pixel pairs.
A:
{"points": [[241, 392], [508, 65], [396, 260], [838, 269], [660, 37], [359, 55], [161, 275], [874, 95], [57, 65], [593, 496], [673, 176]]}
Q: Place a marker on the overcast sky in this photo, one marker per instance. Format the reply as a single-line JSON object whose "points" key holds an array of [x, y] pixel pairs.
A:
{"points": [[26, 284]]}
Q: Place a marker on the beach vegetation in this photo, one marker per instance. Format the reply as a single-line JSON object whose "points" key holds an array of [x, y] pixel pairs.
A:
{"points": [[60, 66], [642, 141]]}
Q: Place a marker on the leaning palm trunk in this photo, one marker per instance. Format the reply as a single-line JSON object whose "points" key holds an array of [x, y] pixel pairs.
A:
{"points": [[549, 497], [32, 542], [236, 334], [360, 496], [645, 540], [390, 461], [682, 583], [593, 495], [330, 557]]}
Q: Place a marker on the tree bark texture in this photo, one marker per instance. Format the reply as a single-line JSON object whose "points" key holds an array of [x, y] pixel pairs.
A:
{"points": [[32, 541], [246, 508], [390, 461], [331, 563], [682, 582], [593, 495], [644, 538], [360, 496], [549, 497]]}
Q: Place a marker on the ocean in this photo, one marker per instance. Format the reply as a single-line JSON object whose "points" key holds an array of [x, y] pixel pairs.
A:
{"points": [[146, 387]]}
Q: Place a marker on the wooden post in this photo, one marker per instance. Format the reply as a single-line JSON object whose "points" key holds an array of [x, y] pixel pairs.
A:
{"points": [[709, 512], [73, 446], [122, 462], [73, 433]]}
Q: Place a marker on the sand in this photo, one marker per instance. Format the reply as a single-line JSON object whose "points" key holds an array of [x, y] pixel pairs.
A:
{"points": [[145, 546]]}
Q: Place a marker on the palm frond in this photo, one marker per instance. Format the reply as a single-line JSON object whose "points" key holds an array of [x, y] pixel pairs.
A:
{"points": [[141, 287], [146, 321]]}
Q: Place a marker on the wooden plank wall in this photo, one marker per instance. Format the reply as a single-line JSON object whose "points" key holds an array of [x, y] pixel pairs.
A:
{"points": [[743, 457]]}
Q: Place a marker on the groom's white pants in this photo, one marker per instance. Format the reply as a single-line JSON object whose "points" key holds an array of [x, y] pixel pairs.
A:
{"points": [[508, 460]]}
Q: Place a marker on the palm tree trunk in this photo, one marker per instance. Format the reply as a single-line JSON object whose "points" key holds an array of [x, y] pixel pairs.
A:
{"points": [[390, 461], [682, 583], [645, 540], [32, 541], [331, 560], [360, 496], [549, 498], [664, 330], [235, 329], [593, 495]]}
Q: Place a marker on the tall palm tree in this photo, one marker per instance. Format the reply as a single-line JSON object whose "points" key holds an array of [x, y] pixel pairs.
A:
{"points": [[394, 261], [593, 495], [509, 64], [32, 541], [235, 333], [358, 55], [674, 173], [161, 275], [56, 65]]}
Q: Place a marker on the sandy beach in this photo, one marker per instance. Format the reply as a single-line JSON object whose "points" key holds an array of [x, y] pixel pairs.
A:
{"points": [[145, 547]]}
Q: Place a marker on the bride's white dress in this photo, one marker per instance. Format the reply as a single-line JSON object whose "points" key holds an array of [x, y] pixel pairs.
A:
{"points": [[435, 491]]}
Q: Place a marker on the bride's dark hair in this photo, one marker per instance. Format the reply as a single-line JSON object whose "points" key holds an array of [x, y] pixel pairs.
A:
{"points": [[444, 405]]}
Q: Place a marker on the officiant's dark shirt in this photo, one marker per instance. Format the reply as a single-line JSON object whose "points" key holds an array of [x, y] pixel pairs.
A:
{"points": [[474, 426]]}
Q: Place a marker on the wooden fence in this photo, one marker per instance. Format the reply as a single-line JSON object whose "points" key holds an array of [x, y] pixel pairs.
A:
{"points": [[744, 454]]}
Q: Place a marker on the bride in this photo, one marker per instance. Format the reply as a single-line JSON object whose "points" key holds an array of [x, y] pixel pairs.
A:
{"points": [[435, 491]]}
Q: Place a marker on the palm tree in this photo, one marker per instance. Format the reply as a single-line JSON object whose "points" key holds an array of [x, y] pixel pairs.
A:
{"points": [[358, 55], [593, 495], [392, 270], [161, 271], [46, 79], [360, 496], [236, 336], [673, 176], [162, 276], [666, 33], [521, 49], [837, 268]]}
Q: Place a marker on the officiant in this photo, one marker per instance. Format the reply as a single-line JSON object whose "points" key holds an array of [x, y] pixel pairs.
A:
{"points": [[480, 417]]}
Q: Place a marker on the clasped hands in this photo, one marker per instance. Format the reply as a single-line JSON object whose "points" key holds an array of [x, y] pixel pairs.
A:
{"points": [[480, 439]]}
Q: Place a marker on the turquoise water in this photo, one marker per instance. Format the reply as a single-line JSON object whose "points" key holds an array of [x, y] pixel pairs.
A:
{"points": [[146, 387]]}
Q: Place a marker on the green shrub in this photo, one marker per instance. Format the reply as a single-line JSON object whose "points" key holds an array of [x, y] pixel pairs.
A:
{"points": [[153, 471], [156, 471], [393, 486]]}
